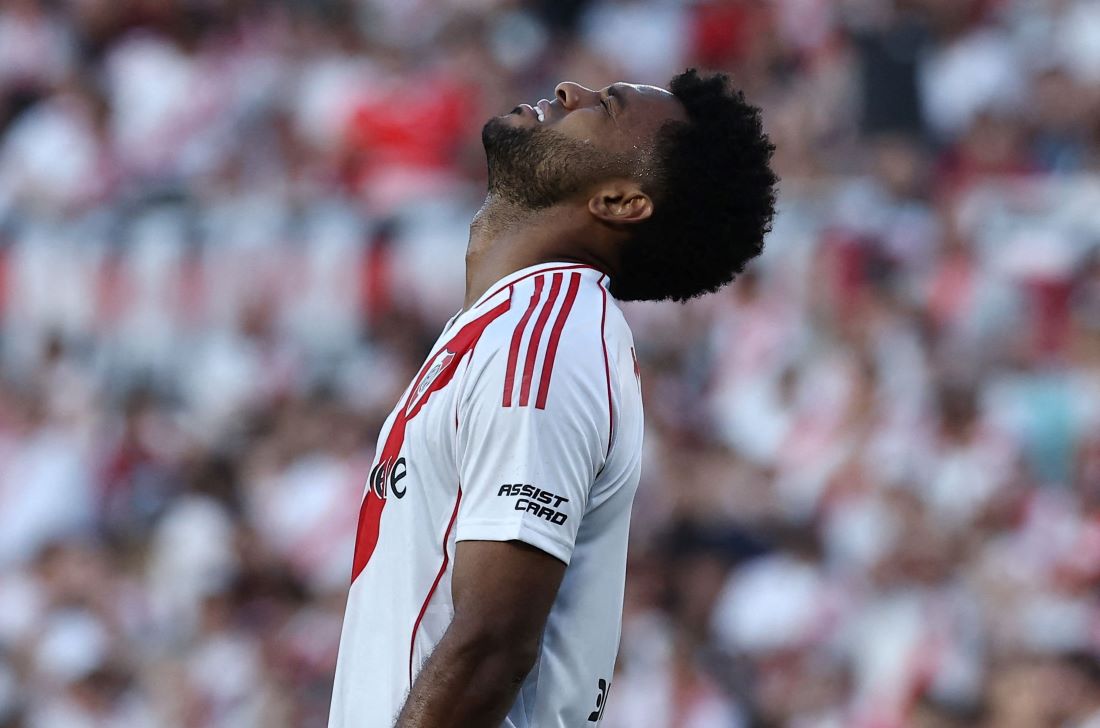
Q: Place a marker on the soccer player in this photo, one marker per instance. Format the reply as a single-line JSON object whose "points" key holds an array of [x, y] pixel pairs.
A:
{"points": [[490, 558]]}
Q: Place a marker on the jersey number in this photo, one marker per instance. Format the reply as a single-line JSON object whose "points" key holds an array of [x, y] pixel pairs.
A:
{"points": [[601, 701]]}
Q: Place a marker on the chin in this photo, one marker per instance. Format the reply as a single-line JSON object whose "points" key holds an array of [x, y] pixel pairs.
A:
{"points": [[518, 120], [507, 121], [505, 127], [492, 127]]}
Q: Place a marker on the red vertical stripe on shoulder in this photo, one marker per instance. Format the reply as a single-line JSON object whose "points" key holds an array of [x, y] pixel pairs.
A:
{"points": [[435, 584], [536, 337], [606, 369], [555, 336], [517, 337]]}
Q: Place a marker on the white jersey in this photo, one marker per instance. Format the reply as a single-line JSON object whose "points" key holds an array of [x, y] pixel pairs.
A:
{"points": [[524, 423]]}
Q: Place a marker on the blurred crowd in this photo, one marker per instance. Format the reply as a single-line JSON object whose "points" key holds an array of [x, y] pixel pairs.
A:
{"points": [[229, 229]]}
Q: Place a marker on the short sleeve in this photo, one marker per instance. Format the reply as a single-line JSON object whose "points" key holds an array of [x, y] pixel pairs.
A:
{"points": [[527, 464]]}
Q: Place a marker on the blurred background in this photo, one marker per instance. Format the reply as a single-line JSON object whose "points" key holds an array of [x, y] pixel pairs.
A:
{"points": [[230, 229]]}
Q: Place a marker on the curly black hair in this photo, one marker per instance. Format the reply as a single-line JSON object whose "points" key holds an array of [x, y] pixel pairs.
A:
{"points": [[713, 192]]}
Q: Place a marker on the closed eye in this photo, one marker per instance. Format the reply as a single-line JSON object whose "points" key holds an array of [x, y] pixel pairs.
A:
{"points": [[606, 103]]}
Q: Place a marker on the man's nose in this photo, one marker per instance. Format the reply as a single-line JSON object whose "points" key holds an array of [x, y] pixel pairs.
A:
{"points": [[573, 95]]}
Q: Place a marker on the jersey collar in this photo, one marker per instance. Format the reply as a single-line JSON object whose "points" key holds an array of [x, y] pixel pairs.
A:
{"points": [[500, 290], [495, 291]]}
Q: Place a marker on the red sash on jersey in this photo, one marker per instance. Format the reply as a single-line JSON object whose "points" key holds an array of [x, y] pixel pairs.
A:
{"points": [[433, 376]]}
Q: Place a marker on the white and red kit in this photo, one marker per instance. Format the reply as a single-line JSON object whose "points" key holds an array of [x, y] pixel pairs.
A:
{"points": [[524, 423]]}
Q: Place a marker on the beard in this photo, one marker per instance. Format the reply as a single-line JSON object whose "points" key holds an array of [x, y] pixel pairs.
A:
{"points": [[536, 167]]}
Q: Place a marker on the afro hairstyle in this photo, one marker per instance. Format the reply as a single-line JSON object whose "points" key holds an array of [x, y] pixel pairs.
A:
{"points": [[714, 196]]}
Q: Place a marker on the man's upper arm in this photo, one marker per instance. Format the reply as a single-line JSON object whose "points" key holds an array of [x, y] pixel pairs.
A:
{"points": [[502, 592]]}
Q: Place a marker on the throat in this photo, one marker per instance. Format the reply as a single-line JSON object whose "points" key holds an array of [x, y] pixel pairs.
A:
{"points": [[505, 238]]}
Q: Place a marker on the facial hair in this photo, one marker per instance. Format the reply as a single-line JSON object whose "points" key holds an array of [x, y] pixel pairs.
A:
{"points": [[536, 167]]}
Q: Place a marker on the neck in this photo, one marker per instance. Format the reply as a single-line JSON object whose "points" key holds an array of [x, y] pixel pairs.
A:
{"points": [[505, 238]]}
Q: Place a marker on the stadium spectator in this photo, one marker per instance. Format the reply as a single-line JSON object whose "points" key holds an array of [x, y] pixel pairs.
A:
{"points": [[228, 232]]}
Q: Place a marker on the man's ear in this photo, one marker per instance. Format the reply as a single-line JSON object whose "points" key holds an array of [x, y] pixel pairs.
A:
{"points": [[621, 201]]}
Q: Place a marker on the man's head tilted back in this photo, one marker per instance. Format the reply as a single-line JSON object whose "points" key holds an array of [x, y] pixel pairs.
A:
{"points": [[675, 184]]}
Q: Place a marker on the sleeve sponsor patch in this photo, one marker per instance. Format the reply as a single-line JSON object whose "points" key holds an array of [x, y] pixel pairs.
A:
{"points": [[536, 501]]}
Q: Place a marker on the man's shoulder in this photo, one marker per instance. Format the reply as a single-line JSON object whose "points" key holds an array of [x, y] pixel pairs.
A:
{"points": [[553, 334]]}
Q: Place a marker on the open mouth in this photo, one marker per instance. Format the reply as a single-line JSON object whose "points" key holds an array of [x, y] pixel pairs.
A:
{"points": [[540, 110], [540, 114]]}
